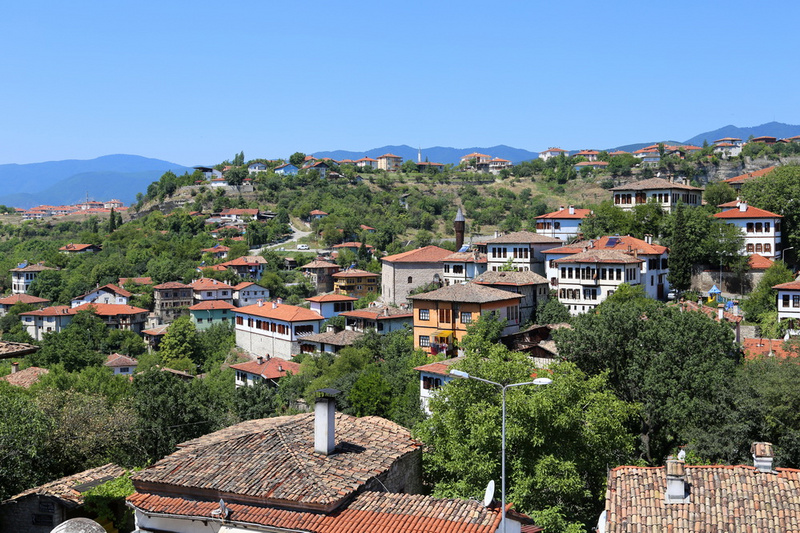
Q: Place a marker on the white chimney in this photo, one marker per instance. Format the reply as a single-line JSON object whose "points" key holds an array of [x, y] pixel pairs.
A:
{"points": [[561, 208], [274, 305], [14, 367], [762, 456], [260, 303], [742, 207], [325, 421], [720, 312], [572, 210], [676, 482], [260, 360]]}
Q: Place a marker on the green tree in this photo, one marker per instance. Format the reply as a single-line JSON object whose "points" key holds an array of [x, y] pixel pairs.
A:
{"points": [[718, 193], [552, 311], [236, 176], [79, 344], [179, 348], [779, 192], [297, 159], [674, 377], [764, 299]]}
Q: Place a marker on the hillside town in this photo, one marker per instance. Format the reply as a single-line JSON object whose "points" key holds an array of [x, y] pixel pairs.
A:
{"points": [[316, 345]]}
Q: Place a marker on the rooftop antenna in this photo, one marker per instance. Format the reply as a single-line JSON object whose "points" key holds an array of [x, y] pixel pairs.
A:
{"points": [[488, 494]]}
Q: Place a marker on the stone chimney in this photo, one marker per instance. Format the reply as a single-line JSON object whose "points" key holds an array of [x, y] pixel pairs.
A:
{"points": [[677, 488], [762, 456], [572, 210], [325, 421], [14, 367]]}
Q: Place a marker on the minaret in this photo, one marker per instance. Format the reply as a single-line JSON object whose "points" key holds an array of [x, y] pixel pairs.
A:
{"points": [[459, 227], [419, 155]]}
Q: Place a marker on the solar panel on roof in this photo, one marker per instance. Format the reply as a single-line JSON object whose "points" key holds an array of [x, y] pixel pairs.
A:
{"points": [[612, 241], [464, 248]]}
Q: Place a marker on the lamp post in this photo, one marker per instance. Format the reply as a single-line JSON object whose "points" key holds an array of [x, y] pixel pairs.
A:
{"points": [[503, 388]]}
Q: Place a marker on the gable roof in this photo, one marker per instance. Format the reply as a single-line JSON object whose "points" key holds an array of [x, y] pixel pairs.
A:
{"points": [[273, 368], [113, 289], [320, 264], [77, 247], [426, 254], [10, 349], [722, 498], [284, 312], [790, 286], [246, 260], [526, 237], [26, 377], [22, 298], [749, 212], [467, 293], [564, 213], [378, 313], [118, 360], [272, 461], [759, 262], [441, 368]]}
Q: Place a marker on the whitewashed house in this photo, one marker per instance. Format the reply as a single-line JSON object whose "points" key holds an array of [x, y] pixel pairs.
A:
{"points": [[761, 228], [277, 330]]}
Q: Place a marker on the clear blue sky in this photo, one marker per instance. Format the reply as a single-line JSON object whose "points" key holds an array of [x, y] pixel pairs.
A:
{"points": [[196, 82]]}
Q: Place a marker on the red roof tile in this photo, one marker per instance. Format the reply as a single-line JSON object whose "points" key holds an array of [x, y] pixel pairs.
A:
{"points": [[355, 273], [22, 298], [286, 313], [116, 360], [427, 254], [331, 298], [273, 368], [26, 377], [750, 212], [564, 213], [756, 348], [750, 175], [210, 284], [791, 286], [441, 368], [211, 305], [759, 262]]}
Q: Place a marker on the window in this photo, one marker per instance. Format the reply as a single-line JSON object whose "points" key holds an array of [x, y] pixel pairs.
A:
{"points": [[466, 317], [424, 314], [241, 376], [785, 300], [512, 313], [444, 315], [749, 227], [199, 320], [759, 227], [424, 341], [796, 300], [240, 320], [750, 248], [446, 268], [766, 227], [410, 279], [759, 248], [303, 330], [458, 269], [768, 248]]}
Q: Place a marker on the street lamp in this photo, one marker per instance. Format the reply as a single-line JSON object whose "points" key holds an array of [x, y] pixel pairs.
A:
{"points": [[537, 381]]}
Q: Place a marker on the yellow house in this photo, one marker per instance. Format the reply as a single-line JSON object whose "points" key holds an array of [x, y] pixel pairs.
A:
{"points": [[354, 282], [441, 317]]}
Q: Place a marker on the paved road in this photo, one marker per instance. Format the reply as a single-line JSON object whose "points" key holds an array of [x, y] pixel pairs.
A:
{"points": [[296, 235]]}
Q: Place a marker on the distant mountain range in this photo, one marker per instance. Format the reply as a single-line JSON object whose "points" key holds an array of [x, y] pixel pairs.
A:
{"points": [[123, 176], [68, 182]]}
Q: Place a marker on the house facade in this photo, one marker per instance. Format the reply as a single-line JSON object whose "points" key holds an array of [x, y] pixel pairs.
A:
{"points": [[563, 224], [587, 278], [390, 162], [355, 282], [209, 312], [23, 275], [54, 319], [441, 317], [265, 369], [789, 302], [249, 293], [533, 288], [286, 169], [247, 266], [402, 273], [276, 330], [665, 193], [331, 305], [171, 300], [121, 364], [552, 152], [431, 379], [383, 319], [522, 250], [107, 294], [204, 289], [761, 229], [320, 274], [461, 267]]}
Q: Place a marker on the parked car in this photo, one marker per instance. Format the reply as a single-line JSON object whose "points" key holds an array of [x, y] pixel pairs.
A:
{"points": [[672, 294], [302, 247]]}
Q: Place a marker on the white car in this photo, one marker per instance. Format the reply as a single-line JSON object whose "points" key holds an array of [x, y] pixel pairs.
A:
{"points": [[302, 247]]}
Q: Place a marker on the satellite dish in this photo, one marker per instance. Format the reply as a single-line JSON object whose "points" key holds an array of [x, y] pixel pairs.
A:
{"points": [[488, 496]]}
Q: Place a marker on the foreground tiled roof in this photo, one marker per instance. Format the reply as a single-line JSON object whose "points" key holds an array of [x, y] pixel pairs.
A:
{"points": [[721, 499], [273, 368], [25, 378], [16, 349], [370, 512], [66, 489], [272, 461], [759, 262], [467, 293], [756, 348], [524, 237], [653, 183], [427, 254], [285, 312], [510, 278]]}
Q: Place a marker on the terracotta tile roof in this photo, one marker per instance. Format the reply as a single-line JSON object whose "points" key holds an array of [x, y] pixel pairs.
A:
{"points": [[26, 377], [286, 313], [156, 331], [211, 305], [759, 262], [53, 310], [727, 139], [217, 248], [750, 175], [23, 298], [10, 349], [209, 284], [757, 348], [239, 211], [138, 281], [39, 267], [109, 309], [274, 368], [67, 490], [389, 156], [653, 183], [355, 273], [173, 285], [76, 247], [246, 260], [320, 264], [465, 257], [791, 286], [623, 243], [441, 368], [510, 278], [365, 227], [427, 254], [370, 512], [353, 244], [331, 298], [750, 212], [467, 293], [345, 337], [711, 310], [272, 461], [115, 360], [592, 164], [722, 498], [110, 288], [564, 213], [525, 237], [379, 313], [553, 150], [600, 256]]}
